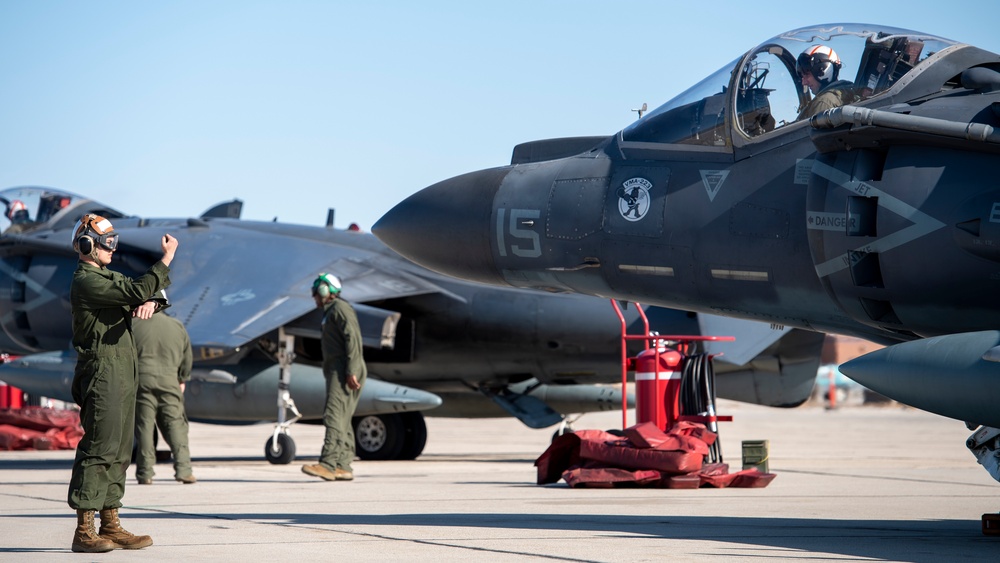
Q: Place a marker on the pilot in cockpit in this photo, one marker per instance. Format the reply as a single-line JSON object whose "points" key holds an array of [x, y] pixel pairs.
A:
{"points": [[819, 67], [20, 220]]}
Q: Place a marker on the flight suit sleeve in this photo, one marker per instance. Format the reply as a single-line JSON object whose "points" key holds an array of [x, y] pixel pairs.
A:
{"points": [[118, 290], [347, 321], [184, 370]]}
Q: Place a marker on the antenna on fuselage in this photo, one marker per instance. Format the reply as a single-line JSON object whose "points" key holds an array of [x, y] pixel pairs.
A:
{"points": [[641, 110]]}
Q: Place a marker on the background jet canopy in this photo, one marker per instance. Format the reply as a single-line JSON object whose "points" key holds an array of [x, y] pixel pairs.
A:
{"points": [[50, 208]]}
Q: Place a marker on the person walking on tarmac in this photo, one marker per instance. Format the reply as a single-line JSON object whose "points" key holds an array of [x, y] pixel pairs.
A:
{"points": [[345, 372], [103, 303], [165, 359]]}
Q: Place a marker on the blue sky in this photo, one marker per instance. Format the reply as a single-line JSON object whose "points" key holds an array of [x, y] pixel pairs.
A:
{"points": [[167, 108]]}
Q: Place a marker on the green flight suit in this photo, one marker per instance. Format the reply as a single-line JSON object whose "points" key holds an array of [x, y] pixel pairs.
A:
{"points": [[165, 360], [342, 356], [833, 95], [104, 382]]}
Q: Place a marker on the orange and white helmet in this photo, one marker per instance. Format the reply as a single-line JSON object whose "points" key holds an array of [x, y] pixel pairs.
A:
{"points": [[820, 61], [93, 229], [16, 206]]}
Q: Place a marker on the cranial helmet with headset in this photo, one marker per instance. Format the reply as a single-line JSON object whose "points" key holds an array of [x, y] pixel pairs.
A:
{"points": [[820, 61], [93, 231], [326, 285], [17, 210]]}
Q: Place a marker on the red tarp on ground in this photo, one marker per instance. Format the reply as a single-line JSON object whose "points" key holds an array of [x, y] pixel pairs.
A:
{"points": [[646, 457], [39, 428]]}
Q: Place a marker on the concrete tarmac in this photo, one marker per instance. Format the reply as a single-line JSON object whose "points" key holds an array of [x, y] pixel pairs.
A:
{"points": [[854, 484]]}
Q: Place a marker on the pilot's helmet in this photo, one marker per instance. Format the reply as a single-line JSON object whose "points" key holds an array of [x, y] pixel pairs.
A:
{"points": [[93, 229], [17, 211], [326, 285], [820, 61]]}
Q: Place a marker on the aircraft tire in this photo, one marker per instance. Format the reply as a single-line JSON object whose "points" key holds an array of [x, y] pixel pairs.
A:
{"points": [[378, 436], [286, 450], [416, 435]]}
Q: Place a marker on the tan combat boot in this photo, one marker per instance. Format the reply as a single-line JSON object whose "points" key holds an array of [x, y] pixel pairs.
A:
{"points": [[111, 529], [85, 540]]}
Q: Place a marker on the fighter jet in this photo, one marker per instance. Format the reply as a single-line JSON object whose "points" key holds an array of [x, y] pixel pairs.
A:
{"points": [[878, 218], [242, 289]]}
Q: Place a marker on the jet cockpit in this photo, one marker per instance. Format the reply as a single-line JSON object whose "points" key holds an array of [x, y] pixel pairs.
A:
{"points": [[762, 91], [30, 208]]}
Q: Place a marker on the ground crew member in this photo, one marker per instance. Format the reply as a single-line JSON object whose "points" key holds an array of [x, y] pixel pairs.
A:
{"points": [[165, 359], [103, 303], [345, 372]]}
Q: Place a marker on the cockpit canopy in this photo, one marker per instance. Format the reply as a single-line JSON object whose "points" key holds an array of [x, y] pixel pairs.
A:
{"points": [[767, 91], [33, 208]]}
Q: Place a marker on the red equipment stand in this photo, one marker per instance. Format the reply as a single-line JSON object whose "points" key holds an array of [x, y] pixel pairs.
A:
{"points": [[10, 397], [658, 376]]}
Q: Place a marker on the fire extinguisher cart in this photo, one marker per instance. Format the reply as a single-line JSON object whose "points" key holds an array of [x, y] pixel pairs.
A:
{"points": [[672, 383]]}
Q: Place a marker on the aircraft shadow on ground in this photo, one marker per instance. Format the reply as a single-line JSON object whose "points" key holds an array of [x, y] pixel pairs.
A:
{"points": [[33, 464], [926, 541], [939, 540]]}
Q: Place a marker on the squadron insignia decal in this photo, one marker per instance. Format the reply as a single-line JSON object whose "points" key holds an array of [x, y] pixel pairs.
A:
{"points": [[633, 198], [713, 180]]}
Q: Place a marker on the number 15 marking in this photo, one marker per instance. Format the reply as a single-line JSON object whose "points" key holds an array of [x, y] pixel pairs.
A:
{"points": [[533, 248]]}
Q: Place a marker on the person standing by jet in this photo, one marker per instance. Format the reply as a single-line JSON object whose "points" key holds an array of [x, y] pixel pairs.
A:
{"points": [[345, 372], [819, 67], [103, 303], [165, 359]]}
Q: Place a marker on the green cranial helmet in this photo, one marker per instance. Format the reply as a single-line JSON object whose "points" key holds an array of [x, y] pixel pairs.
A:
{"points": [[326, 285]]}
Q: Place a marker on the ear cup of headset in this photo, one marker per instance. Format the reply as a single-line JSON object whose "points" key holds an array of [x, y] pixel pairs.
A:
{"points": [[86, 244], [323, 290]]}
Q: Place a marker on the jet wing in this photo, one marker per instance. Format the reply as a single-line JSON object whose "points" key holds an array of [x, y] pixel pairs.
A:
{"points": [[233, 283], [752, 337]]}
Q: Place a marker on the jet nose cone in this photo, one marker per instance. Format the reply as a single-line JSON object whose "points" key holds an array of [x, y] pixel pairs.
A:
{"points": [[446, 227]]}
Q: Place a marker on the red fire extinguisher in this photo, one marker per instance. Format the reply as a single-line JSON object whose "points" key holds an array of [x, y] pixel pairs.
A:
{"points": [[658, 386]]}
